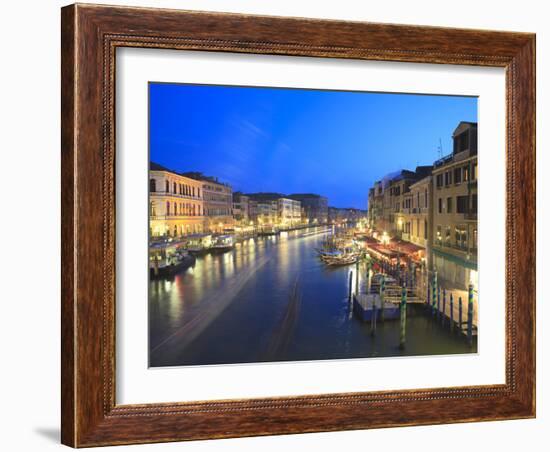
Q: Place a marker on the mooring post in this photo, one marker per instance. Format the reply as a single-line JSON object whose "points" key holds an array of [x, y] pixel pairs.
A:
{"points": [[350, 284], [460, 314], [434, 293], [451, 313], [403, 317], [367, 277], [357, 277], [373, 318], [382, 298], [470, 313], [444, 306], [438, 312]]}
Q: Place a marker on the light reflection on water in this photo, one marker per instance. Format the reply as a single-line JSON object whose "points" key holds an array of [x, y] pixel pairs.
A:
{"points": [[236, 307]]}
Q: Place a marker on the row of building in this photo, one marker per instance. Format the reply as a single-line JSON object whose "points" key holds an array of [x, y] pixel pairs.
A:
{"points": [[435, 207], [188, 203]]}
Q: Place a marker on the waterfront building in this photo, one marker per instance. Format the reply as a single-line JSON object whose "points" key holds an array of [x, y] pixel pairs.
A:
{"points": [[315, 207], [418, 216], [376, 207], [241, 208], [218, 202], [346, 215], [289, 211], [266, 208], [454, 202], [176, 206], [390, 198]]}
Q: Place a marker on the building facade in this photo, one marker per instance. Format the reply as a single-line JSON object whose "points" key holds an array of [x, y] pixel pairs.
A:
{"points": [[176, 206], [435, 208], [241, 208], [418, 216], [274, 209], [346, 215], [218, 203], [315, 207], [454, 203], [289, 211], [376, 207], [390, 201]]}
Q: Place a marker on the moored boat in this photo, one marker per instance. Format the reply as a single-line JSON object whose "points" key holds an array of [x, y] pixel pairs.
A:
{"points": [[168, 258], [223, 243], [344, 259], [198, 243]]}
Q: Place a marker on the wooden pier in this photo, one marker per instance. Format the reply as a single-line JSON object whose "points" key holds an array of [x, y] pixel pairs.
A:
{"points": [[364, 305]]}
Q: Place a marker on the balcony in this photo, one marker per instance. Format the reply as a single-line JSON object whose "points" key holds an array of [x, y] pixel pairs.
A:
{"points": [[174, 195]]}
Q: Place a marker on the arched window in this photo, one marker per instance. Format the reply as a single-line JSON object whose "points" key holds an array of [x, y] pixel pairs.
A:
{"points": [[175, 231], [193, 191], [175, 188], [198, 192], [152, 185], [167, 186], [167, 207], [152, 209]]}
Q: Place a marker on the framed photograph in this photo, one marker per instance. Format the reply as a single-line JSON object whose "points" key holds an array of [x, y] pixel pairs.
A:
{"points": [[282, 225]]}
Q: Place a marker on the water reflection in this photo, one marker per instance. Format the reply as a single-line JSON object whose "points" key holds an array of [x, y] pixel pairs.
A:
{"points": [[271, 299]]}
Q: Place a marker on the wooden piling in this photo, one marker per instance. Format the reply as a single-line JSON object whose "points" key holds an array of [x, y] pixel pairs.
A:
{"points": [[444, 306], [460, 314], [434, 293], [438, 312], [367, 276], [470, 313], [382, 298], [403, 318], [357, 277], [350, 285], [451, 313], [373, 318]]}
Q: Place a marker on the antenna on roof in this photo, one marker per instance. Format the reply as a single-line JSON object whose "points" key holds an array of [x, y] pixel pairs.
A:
{"points": [[440, 149]]}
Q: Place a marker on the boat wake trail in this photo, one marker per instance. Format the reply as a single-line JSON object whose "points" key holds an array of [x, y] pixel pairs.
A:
{"points": [[208, 310]]}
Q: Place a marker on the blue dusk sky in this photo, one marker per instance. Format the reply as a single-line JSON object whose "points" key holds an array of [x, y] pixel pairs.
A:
{"points": [[333, 143]]}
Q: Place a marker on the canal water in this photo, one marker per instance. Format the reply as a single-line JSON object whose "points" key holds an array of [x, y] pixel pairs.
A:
{"points": [[272, 299]]}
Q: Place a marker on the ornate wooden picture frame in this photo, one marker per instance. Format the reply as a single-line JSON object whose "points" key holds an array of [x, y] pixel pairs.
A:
{"points": [[90, 37]]}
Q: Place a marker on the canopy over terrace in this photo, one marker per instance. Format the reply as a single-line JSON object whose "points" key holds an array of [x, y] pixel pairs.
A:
{"points": [[381, 251], [395, 250], [408, 250]]}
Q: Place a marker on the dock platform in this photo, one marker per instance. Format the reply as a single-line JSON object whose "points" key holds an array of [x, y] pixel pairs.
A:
{"points": [[363, 307]]}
